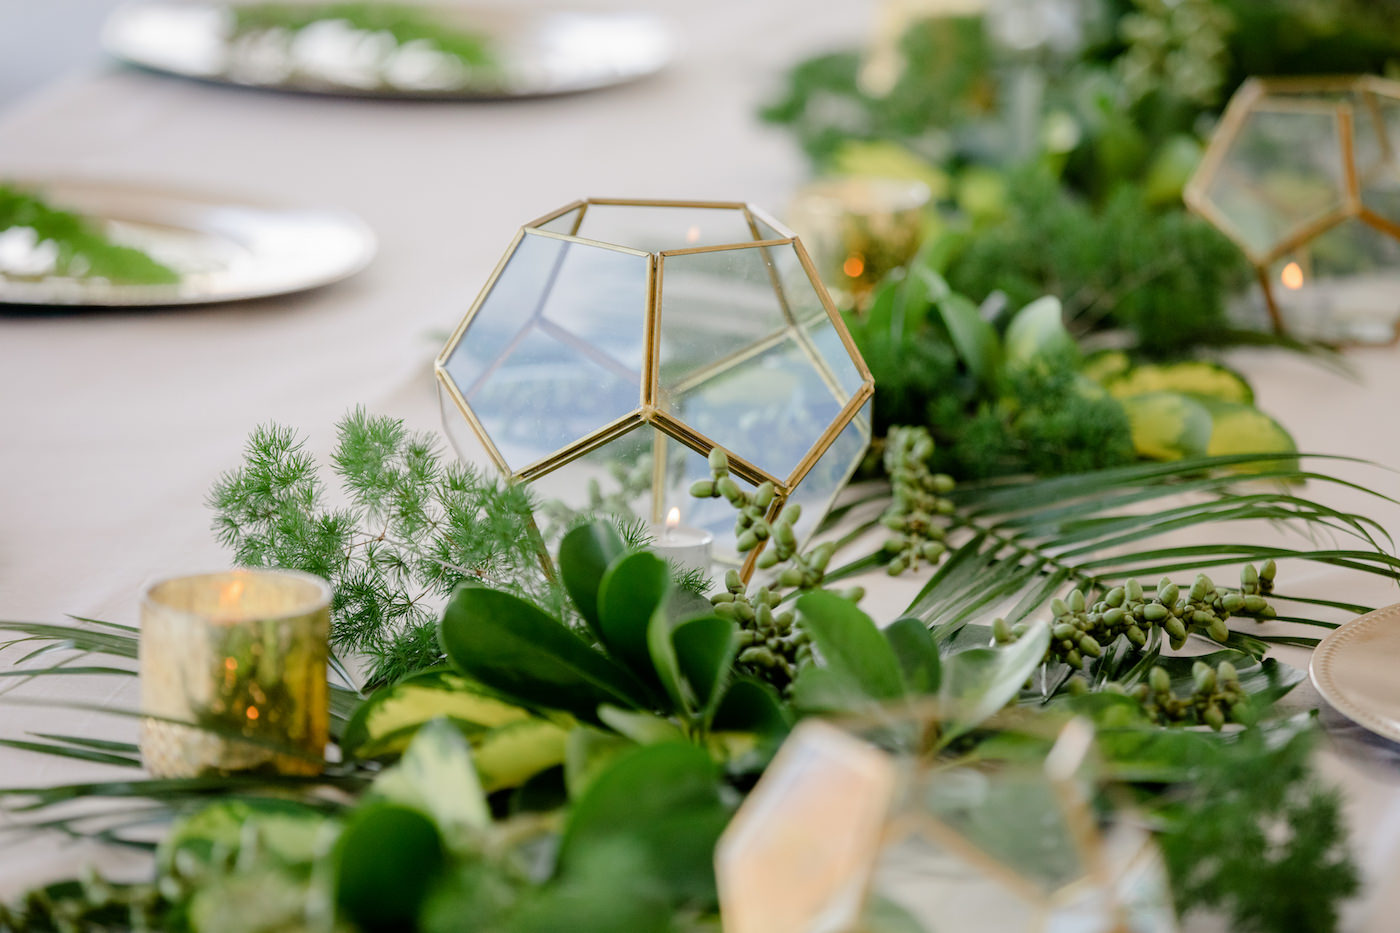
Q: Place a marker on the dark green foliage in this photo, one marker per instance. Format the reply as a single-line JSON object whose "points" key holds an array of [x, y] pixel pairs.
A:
{"points": [[1260, 840], [948, 80], [413, 529], [1047, 423], [1164, 278], [83, 249], [910, 376]]}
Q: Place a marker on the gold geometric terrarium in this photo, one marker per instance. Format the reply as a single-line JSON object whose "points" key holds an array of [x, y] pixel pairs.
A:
{"points": [[843, 835], [1304, 175], [618, 342]]}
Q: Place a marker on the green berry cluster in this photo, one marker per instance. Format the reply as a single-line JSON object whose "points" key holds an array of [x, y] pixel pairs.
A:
{"points": [[917, 514], [1079, 629], [1216, 697], [770, 646]]}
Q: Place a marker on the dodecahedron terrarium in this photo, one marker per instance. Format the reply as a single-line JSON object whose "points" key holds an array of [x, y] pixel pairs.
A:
{"points": [[1304, 175], [845, 834], [618, 342]]}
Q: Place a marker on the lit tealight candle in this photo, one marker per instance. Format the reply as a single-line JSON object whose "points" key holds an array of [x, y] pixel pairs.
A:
{"points": [[681, 544], [241, 656]]}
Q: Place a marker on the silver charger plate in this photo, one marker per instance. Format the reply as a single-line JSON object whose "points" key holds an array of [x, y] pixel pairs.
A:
{"points": [[1357, 671], [224, 250], [533, 51]]}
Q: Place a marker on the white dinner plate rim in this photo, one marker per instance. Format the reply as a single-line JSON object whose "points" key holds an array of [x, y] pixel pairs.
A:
{"points": [[113, 44], [1320, 672]]}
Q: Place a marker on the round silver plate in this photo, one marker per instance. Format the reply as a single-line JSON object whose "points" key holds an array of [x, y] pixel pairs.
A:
{"points": [[1357, 670], [224, 251], [531, 51]]}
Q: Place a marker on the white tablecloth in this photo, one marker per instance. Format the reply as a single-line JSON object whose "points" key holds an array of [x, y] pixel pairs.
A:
{"points": [[112, 426]]}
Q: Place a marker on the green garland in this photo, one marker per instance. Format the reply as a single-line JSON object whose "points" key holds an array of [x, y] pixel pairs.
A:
{"points": [[82, 248]]}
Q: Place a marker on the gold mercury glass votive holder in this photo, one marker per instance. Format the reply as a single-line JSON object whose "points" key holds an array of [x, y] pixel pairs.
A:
{"points": [[240, 656], [859, 229]]}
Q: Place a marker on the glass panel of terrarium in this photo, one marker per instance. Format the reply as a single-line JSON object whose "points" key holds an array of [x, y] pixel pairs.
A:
{"points": [[944, 892], [615, 479], [769, 410], [548, 393], [599, 297], [1378, 154], [833, 469], [680, 468], [654, 228], [717, 308], [1343, 285], [1012, 818], [1282, 171], [511, 303]]}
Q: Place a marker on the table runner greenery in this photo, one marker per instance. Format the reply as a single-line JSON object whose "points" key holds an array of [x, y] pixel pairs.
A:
{"points": [[543, 752], [79, 246]]}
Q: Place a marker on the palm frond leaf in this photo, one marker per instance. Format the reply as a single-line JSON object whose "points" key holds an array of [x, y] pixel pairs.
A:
{"points": [[1020, 543]]}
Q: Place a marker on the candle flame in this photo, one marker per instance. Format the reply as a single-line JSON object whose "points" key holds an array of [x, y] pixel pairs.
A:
{"points": [[1292, 276], [231, 594], [853, 266], [692, 235], [673, 518]]}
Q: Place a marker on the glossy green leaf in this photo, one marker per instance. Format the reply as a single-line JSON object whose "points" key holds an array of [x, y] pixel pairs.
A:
{"points": [[1037, 332], [633, 589], [512, 646], [1238, 428], [385, 723], [980, 681], [585, 554], [641, 727], [436, 775], [849, 643], [589, 753], [750, 705], [917, 654], [386, 860], [662, 650], [665, 799], [1168, 425], [510, 755], [821, 691], [1199, 378], [974, 338], [705, 650]]}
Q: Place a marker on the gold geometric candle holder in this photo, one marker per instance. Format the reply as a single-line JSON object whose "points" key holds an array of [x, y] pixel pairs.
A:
{"points": [[843, 835], [241, 656], [1303, 174], [618, 342]]}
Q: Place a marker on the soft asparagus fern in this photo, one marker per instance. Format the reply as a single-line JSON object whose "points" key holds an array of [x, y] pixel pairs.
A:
{"points": [[414, 527]]}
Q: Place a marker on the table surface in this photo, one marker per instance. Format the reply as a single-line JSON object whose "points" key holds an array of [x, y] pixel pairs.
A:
{"points": [[114, 425]]}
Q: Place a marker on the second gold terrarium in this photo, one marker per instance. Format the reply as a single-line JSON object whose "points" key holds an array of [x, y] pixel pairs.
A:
{"points": [[1304, 175], [618, 342]]}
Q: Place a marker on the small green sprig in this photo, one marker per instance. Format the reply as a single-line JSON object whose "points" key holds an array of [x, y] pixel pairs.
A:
{"points": [[918, 509], [771, 648]]}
